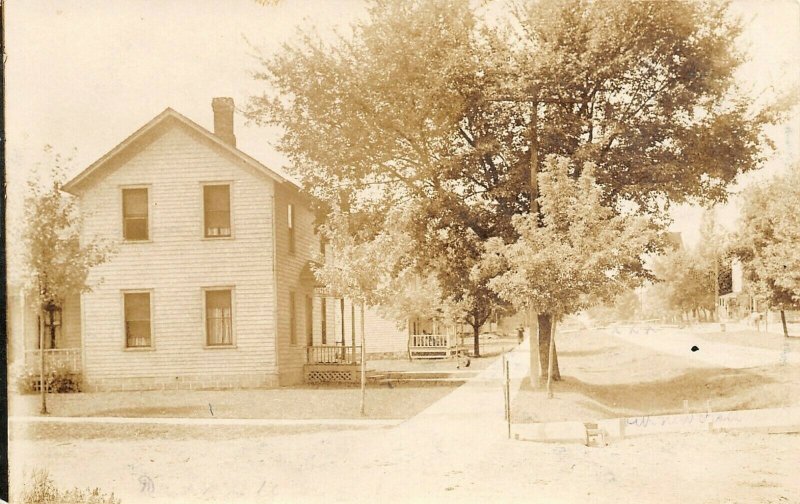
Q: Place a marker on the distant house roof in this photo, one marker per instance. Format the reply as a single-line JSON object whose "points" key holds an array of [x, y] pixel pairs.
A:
{"points": [[144, 135]]}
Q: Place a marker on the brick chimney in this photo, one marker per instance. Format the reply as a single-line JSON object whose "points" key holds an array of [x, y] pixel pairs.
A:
{"points": [[223, 119]]}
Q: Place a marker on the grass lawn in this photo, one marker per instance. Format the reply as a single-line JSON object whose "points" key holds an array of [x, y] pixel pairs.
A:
{"points": [[752, 338], [605, 377], [309, 402]]}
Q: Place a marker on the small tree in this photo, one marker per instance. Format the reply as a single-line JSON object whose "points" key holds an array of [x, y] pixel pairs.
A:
{"points": [[57, 263], [580, 255], [368, 271], [767, 241]]}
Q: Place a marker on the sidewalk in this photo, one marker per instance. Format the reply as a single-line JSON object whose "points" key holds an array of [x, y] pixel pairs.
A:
{"points": [[475, 412]]}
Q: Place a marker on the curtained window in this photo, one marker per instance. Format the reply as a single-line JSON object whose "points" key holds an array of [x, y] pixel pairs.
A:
{"points": [[219, 318], [217, 211], [138, 327]]}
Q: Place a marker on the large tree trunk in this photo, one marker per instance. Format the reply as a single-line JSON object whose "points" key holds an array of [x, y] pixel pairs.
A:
{"points": [[476, 333], [545, 330], [783, 321], [550, 358]]}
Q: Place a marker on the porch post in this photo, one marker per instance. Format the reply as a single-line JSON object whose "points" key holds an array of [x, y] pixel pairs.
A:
{"points": [[344, 344], [42, 385], [363, 364]]}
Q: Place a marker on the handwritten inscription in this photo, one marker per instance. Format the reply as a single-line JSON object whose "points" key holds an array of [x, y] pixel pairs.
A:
{"points": [[698, 418]]}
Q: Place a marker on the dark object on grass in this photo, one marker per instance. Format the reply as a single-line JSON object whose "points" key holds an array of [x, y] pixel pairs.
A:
{"points": [[463, 360]]}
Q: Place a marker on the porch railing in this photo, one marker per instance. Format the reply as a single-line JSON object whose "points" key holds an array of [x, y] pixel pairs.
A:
{"points": [[67, 359], [432, 346], [431, 340], [333, 354]]}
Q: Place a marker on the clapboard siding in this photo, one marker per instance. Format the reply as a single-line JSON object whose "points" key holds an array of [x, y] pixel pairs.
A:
{"points": [[292, 356], [177, 263], [383, 335]]}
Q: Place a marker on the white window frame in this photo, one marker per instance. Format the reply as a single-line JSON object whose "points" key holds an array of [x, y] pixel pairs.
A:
{"points": [[122, 189], [205, 316], [203, 185], [152, 345]]}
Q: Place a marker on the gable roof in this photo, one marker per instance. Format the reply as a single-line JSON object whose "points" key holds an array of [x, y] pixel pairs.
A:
{"points": [[141, 135]]}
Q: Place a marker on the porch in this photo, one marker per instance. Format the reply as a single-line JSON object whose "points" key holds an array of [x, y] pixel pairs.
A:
{"points": [[432, 346], [62, 360], [332, 363], [62, 367]]}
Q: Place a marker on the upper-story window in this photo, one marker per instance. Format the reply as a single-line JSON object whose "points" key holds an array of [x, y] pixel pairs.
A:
{"points": [[135, 218], [290, 225], [217, 210]]}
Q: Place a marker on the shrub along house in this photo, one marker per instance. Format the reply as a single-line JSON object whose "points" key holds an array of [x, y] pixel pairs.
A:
{"points": [[211, 282]]}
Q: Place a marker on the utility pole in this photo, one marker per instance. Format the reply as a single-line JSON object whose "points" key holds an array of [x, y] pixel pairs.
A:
{"points": [[535, 98], [716, 285]]}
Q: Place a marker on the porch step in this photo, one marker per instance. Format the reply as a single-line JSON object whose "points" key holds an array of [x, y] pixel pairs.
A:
{"points": [[449, 376], [459, 373]]}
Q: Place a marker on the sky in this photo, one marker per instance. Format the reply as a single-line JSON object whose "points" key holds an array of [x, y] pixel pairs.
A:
{"points": [[85, 74]]}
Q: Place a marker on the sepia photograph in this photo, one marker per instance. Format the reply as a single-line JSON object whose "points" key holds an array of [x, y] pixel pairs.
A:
{"points": [[402, 251]]}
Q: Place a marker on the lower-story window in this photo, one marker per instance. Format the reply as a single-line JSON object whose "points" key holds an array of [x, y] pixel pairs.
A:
{"points": [[138, 326], [219, 317]]}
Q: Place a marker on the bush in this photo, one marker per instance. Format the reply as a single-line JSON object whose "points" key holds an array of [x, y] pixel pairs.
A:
{"points": [[41, 490], [59, 379]]}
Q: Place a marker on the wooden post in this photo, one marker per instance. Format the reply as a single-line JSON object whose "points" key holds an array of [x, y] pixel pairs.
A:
{"points": [[353, 326], [363, 365], [508, 395], [716, 287], [341, 308], [534, 181], [42, 384], [550, 356], [505, 392]]}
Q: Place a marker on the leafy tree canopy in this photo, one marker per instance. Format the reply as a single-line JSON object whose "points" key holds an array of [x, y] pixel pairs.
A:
{"points": [[590, 256], [768, 237], [57, 262]]}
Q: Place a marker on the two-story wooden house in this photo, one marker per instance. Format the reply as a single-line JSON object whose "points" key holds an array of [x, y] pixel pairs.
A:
{"points": [[211, 283]]}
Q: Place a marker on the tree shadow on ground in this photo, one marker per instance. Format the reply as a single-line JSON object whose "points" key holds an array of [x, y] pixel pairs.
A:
{"points": [[718, 388], [584, 353], [724, 389]]}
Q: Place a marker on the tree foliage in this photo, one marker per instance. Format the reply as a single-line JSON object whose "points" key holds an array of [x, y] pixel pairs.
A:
{"points": [[438, 106], [582, 254], [767, 239], [685, 282], [57, 263], [368, 271]]}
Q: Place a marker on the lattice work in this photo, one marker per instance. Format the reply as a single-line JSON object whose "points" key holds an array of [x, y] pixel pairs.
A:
{"points": [[328, 376]]}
